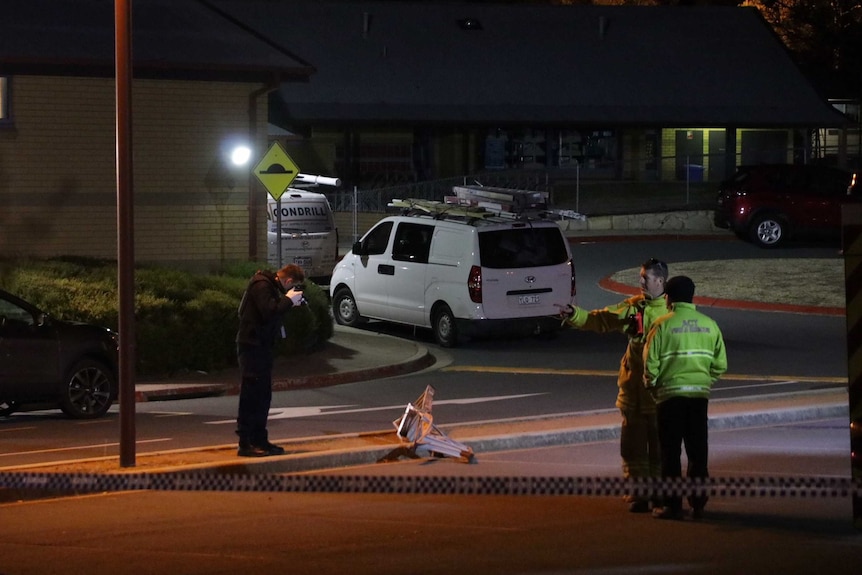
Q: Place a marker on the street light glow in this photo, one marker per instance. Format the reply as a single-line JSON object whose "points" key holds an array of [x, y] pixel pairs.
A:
{"points": [[240, 155]]}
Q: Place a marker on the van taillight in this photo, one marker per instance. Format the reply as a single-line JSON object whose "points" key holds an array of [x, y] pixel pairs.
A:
{"points": [[574, 288], [474, 284]]}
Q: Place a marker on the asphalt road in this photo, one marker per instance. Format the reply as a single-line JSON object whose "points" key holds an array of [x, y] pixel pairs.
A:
{"points": [[205, 532], [265, 532], [483, 380]]}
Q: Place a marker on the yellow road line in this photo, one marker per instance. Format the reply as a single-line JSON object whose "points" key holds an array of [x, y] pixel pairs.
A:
{"points": [[608, 373]]}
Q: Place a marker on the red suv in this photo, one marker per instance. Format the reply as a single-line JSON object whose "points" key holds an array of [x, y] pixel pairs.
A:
{"points": [[770, 203]]}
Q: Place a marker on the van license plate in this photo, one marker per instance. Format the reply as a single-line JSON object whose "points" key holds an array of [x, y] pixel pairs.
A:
{"points": [[302, 261], [528, 299]]}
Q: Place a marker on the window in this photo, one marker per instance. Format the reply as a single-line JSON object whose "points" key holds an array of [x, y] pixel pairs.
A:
{"points": [[595, 150], [412, 243], [12, 316], [377, 239], [522, 248], [4, 98]]}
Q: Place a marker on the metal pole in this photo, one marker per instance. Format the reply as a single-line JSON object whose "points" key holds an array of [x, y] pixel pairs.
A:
{"points": [[687, 176], [278, 230], [577, 186], [355, 214], [125, 230], [851, 216]]}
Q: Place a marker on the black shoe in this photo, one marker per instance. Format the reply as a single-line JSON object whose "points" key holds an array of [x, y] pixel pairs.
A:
{"points": [[273, 449], [667, 513], [697, 513], [639, 506], [252, 451]]}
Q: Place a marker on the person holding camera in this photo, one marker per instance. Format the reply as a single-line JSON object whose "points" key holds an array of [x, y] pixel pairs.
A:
{"points": [[639, 445], [267, 298]]}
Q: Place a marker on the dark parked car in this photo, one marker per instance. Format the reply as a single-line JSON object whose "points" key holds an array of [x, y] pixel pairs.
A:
{"points": [[771, 203], [49, 363]]}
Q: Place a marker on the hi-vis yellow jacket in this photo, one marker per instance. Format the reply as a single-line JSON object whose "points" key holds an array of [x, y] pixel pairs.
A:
{"points": [[684, 354], [622, 317]]}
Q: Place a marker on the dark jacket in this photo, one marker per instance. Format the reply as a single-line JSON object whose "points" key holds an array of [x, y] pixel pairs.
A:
{"points": [[261, 310]]}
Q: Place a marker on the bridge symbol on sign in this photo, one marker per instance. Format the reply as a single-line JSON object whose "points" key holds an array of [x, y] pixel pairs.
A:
{"points": [[276, 170]]}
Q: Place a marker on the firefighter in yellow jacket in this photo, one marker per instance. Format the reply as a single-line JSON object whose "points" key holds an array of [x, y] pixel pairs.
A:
{"points": [[639, 446]]}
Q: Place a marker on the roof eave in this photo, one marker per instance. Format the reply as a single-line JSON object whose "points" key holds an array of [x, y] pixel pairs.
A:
{"points": [[157, 70], [668, 117]]}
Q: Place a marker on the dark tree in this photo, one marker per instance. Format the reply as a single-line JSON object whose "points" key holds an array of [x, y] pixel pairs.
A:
{"points": [[825, 37]]}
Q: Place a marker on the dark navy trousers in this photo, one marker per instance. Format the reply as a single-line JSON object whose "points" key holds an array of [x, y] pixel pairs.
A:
{"points": [[255, 394], [684, 421]]}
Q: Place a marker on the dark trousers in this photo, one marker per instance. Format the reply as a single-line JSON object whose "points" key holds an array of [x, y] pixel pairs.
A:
{"points": [[255, 394], [683, 421]]}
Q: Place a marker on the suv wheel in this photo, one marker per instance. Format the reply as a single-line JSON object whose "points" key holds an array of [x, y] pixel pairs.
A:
{"points": [[89, 390], [768, 231], [445, 330], [344, 308]]}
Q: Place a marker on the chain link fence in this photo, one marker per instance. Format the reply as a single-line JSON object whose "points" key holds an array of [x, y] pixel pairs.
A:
{"points": [[376, 199], [567, 189], [596, 187]]}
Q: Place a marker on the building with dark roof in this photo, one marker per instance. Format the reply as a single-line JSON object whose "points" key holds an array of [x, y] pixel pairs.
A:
{"points": [[375, 93], [619, 91], [200, 86]]}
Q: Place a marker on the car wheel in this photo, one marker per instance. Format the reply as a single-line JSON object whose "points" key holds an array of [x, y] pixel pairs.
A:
{"points": [[768, 231], [344, 308], [443, 325], [88, 391], [7, 408]]}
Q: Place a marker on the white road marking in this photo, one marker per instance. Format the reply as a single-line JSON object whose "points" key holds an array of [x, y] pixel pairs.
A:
{"points": [[17, 429], [311, 411], [728, 388], [80, 447]]}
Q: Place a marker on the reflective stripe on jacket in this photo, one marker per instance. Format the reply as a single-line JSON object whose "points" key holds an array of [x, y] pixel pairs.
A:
{"points": [[684, 354]]}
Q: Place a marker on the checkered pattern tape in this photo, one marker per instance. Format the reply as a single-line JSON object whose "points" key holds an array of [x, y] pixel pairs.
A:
{"points": [[800, 487]]}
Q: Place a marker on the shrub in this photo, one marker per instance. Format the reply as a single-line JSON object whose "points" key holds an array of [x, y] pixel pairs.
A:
{"points": [[183, 321], [309, 326]]}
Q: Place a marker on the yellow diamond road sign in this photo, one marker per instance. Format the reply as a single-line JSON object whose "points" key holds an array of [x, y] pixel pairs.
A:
{"points": [[276, 170]]}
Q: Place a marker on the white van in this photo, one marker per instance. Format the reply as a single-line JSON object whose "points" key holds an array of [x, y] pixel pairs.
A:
{"points": [[457, 272], [309, 237]]}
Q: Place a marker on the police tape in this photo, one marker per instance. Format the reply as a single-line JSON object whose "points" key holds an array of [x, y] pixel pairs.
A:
{"points": [[799, 487]]}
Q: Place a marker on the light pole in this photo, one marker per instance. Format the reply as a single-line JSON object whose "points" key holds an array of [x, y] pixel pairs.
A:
{"points": [[125, 229]]}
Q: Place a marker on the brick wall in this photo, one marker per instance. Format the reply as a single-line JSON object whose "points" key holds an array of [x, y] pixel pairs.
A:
{"points": [[58, 177]]}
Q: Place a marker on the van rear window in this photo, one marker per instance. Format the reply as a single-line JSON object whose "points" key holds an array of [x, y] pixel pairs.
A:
{"points": [[522, 248]]}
